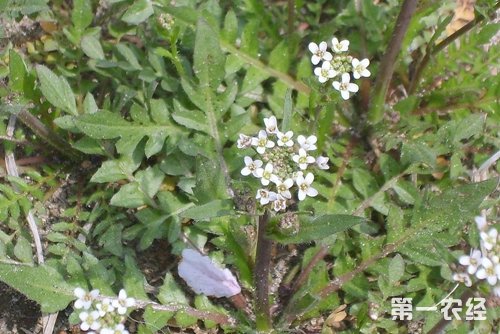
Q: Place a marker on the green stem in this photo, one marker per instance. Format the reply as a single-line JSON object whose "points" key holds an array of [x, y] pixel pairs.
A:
{"points": [[389, 61], [261, 275]]}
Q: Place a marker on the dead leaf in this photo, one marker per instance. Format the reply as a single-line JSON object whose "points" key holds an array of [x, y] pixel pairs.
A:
{"points": [[336, 316], [464, 13]]}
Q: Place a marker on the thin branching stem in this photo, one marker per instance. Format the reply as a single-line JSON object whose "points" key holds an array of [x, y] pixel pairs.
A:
{"points": [[388, 62], [261, 275]]}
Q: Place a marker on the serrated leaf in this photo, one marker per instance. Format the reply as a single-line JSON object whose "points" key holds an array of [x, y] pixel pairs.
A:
{"points": [[42, 284], [210, 182], [216, 208], [396, 268], [129, 196], [319, 228], [17, 71], [23, 251], [208, 57], [81, 16], [56, 90]]}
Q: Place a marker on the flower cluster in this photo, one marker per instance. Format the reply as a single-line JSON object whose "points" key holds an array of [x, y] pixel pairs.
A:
{"points": [[338, 63], [102, 315], [484, 263], [282, 163]]}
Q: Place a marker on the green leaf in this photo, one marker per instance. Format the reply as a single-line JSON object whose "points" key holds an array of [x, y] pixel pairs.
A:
{"points": [[107, 125], [208, 57], [92, 47], [81, 16], [42, 284], [138, 12], [56, 90], [287, 111], [319, 228], [129, 196], [191, 119], [216, 208], [210, 182], [114, 170], [416, 152], [406, 191], [155, 320], [364, 182], [396, 268], [89, 104], [17, 71], [486, 33], [230, 31], [23, 251]]}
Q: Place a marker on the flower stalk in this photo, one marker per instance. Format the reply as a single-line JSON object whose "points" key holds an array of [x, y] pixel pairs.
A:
{"points": [[261, 275]]}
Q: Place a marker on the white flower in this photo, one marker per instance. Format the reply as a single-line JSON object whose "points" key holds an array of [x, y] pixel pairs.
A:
{"points": [[285, 139], [472, 261], [322, 162], [340, 46], [84, 298], [308, 143], [305, 188], [271, 125], [462, 277], [267, 174], [319, 52], [325, 72], [345, 86], [122, 303], [283, 187], [265, 196], [252, 167], [89, 320], [303, 159], [296, 175], [244, 141], [481, 223], [119, 329], [262, 142], [489, 271], [359, 68], [279, 204], [105, 307], [489, 240], [205, 277]]}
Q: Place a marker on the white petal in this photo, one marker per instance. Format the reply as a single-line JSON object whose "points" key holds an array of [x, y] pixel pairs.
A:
{"points": [[315, 59], [335, 41], [345, 94], [79, 292], [260, 149], [203, 276], [322, 79], [336, 85], [365, 62], [270, 144], [246, 171], [323, 46], [247, 160], [301, 140], [352, 87], [346, 78], [365, 73], [317, 71], [313, 47], [302, 195], [312, 192], [356, 75], [481, 273], [309, 178], [355, 62], [327, 56]]}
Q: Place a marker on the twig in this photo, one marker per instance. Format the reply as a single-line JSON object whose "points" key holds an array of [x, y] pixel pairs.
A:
{"points": [[14, 140], [389, 60], [262, 262], [443, 44]]}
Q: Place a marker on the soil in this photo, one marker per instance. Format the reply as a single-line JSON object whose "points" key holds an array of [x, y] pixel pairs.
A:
{"points": [[17, 313]]}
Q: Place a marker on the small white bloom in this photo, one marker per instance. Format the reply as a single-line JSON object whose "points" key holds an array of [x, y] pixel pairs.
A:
{"points": [[489, 240], [265, 196], [119, 329], [244, 141], [325, 72], [122, 303], [279, 204], [462, 277], [285, 139], [489, 271], [105, 307], [345, 86], [262, 142], [252, 167], [340, 46], [303, 159], [472, 261], [322, 162], [308, 143], [481, 223], [267, 174], [271, 125], [85, 298], [283, 187], [359, 68], [296, 175], [305, 188], [319, 52], [89, 320]]}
